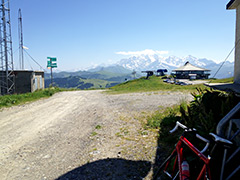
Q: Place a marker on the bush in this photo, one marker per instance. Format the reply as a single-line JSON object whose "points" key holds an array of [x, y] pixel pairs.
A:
{"points": [[207, 109], [203, 114]]}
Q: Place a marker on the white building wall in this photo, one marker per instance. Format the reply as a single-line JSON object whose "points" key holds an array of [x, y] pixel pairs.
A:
{"points": [[237, 50], [37, 81]]}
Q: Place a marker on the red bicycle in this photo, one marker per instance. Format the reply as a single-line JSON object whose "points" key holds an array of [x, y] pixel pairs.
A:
{"points": [[176, 165]]}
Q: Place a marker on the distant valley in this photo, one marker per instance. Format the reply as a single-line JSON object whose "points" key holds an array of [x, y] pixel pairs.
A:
{"points": [[100, 77], [108, 76]]}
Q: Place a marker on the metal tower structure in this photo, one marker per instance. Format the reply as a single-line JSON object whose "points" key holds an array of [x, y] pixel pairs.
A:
{"points": [[7, 84], [20, 35]]}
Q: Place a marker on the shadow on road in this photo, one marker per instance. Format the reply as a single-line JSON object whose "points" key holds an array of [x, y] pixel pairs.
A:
{"points": [[112, 168]]}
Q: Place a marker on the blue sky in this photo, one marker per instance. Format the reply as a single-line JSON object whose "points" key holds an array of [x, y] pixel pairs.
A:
{"points": [[81, 33]]}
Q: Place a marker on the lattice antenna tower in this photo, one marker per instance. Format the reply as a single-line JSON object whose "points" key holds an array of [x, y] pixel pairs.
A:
{"points": [[7, 84], [20, 35]]}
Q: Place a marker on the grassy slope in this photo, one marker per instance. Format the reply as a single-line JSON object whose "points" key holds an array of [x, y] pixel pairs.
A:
{"points": [[226, 80], [16, 99], [152, 84]]}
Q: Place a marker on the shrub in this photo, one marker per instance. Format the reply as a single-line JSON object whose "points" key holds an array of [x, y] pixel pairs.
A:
{"points": [[207, 109], [203, 114]]}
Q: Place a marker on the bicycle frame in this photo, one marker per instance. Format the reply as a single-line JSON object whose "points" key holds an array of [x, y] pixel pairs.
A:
{"points": [[205, 171]]}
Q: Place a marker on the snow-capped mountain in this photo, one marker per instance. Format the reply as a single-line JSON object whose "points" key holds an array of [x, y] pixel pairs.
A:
{"points": [[154, 62]]}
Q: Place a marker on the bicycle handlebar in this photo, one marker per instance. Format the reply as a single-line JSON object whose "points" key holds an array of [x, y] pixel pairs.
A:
{"points": [[178, 124], [204, 140]]}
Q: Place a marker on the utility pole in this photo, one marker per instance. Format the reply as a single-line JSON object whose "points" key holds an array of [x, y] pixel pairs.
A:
{"points": [[134, 74], [20, 35], [7, 80], [51, 77]]}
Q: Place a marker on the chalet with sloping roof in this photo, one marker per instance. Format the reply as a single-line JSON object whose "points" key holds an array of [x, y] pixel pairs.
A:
{"points": [[189, 71]]}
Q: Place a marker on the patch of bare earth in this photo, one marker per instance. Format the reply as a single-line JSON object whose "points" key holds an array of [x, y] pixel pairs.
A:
{"points": [[81, 135]]}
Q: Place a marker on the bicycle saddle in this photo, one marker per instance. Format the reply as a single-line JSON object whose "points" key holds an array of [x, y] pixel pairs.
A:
{"points": [[219, 139]]}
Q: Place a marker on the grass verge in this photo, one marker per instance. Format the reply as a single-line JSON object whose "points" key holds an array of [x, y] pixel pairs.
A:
{"points": [[226, 80], [16, 99], [163, 121]]}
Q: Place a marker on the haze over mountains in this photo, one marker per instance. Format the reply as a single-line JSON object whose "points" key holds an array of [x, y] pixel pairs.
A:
{"points": [[107, 76]]}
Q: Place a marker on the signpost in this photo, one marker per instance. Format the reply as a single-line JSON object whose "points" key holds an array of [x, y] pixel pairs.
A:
{"points": [[51, 63]]}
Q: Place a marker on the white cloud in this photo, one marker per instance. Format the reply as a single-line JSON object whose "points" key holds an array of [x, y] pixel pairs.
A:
{"points": [[144, 52]]}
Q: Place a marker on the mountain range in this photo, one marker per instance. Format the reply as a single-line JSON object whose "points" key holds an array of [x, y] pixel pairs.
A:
{"points": [[107, 76], [154, 62]]}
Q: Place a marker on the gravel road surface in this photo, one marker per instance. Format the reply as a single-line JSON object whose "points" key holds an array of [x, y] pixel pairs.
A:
{"points": [[80, 135]]}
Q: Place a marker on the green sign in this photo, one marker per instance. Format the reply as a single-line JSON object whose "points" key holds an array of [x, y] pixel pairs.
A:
{"points": [[52, 58], [54, 65], [51, 63]]}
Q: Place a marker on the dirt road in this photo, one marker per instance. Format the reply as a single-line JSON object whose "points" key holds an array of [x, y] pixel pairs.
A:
{"points": [[79, 135]]}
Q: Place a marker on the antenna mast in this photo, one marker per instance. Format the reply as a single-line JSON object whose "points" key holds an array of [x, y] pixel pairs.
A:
{"points": [[7, 84], [20, 35]]}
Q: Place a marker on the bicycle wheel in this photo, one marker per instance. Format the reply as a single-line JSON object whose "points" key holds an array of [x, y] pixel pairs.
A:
{"points": [[161, 174]]}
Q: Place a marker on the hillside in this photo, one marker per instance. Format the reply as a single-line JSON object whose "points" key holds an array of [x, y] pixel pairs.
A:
{"points": [[153, 83], [94, 78], [80, 83]]}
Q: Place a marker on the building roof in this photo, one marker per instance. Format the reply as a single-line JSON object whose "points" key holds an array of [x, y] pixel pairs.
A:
{"points": [[189, 67], [28, 71], [228, 87], [233, 4]]}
